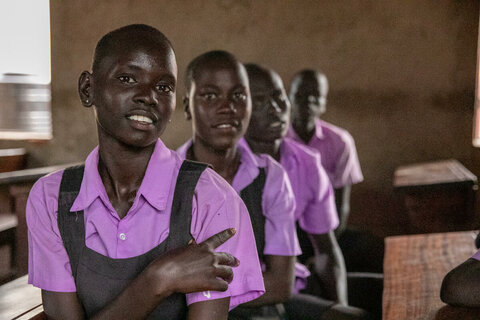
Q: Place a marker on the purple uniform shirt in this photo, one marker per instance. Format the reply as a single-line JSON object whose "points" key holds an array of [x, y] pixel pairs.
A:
{"points": [[315, 209], [338, 153], [476, 255], [278, 202], [215, 207]]}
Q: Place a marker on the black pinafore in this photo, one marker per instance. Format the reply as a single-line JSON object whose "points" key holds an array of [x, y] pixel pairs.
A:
{"points": [[99, 279], [252, 197]]}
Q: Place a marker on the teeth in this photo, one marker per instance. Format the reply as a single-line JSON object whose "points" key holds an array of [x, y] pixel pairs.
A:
{"points": [[140, 118], [276, 124], [221, 126]]}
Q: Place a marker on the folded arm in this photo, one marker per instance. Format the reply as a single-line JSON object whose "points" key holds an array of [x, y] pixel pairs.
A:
{"points": [[460, 286]]}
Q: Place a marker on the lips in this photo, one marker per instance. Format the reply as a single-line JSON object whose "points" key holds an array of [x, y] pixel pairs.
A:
{"points": [[141, 119], [277, 124], [227, 124]]}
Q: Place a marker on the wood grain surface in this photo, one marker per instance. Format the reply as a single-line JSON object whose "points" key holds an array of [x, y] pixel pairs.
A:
{"points": [[414, 268], [20, 300]]}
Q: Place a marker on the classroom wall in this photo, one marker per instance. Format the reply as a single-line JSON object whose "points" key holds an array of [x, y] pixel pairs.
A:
{"points": [[402, 74]]}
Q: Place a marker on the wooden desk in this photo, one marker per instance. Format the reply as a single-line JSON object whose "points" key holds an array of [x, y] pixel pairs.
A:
{"points": [[436, 196], [19, 300], [414, 268], [15, 186]]}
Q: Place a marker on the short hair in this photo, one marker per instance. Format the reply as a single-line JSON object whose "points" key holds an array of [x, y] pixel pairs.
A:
{"points": [[253, 69], [133, 33], [310, 73], [215, 55]]}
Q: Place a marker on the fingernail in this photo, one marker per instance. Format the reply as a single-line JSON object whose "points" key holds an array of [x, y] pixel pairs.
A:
{"points": [[237, 262], [233, 230]]}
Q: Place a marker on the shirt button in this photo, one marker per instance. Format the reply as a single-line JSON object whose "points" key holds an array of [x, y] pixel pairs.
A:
{"points": [[123, 236]]}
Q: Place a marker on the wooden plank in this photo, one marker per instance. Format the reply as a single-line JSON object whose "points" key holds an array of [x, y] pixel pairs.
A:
{"points": [[17, 297], [432, 173], [414, 268], [30, 175]]}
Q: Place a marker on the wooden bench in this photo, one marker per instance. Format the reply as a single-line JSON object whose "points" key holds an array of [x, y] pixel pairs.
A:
{"points": [[8, 226], [414, 267], [20, 300]]}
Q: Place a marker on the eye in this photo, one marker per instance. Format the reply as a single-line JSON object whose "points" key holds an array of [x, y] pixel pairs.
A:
{"points": [[126, 79], [165, 88], [239, 96], [209, 96]]}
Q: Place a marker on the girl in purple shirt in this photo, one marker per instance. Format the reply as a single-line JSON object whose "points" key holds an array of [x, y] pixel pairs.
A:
{"points": [[133, 233], [218, 103]]}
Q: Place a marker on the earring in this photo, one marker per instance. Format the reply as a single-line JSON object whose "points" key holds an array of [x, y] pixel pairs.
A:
{"points": [[87, 101], [169, 120]]}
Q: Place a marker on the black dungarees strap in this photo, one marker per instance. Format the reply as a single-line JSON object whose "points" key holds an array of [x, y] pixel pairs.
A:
{"points": [[99, 279], [252, 196]]}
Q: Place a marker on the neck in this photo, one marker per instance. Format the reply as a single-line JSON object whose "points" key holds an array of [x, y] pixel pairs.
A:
{"points": [[224, 162], [272, 148], [122, 167], [305, 130]]}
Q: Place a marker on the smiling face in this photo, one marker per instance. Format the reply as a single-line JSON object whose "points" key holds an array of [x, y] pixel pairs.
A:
{"points": [[133, 92], [219, 103], [308, 95], [270, 106]]}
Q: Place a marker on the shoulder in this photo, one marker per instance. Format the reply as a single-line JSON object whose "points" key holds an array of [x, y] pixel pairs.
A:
{"points": [[307, 162], [334, 130], [47, 186], [273, 169], [213, 190], [302, 153]]}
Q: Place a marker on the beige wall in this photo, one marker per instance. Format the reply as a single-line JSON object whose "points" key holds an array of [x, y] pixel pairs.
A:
{"points": [[401, 73]]}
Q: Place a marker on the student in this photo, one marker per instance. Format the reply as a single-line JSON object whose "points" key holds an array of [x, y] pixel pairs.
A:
{"points": [[308, 95], [218, 103], [460, 286], [108, 240], [363, 252], [315, 210]]}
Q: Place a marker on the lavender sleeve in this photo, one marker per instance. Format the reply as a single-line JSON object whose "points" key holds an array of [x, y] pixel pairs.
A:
{"points": [[216, 207]]}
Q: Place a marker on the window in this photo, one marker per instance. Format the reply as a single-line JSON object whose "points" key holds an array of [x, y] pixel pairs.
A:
{"points": [[25, 98]]}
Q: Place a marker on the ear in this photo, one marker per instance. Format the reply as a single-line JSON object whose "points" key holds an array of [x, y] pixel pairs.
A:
{"points": [[85, 88], [186, 108]]}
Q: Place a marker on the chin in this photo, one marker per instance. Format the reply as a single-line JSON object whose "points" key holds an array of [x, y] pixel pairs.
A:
{"points": [[224, 144]]}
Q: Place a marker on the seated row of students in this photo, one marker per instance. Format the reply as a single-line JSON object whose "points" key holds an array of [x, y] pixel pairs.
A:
{"points": [[137, 232]]}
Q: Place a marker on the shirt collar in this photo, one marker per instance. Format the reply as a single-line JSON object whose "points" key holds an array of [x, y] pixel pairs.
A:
{"points": [[318, 132], [183, 149], [156, 184], [318, 129], [249, 164]]}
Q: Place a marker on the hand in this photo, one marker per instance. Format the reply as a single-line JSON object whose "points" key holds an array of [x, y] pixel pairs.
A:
{"points": [[194, 268]]}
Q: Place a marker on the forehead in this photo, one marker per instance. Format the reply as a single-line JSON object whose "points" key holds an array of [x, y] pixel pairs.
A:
{"points": [[146, 56], [311, 83], [265, 81], [221, 74]]}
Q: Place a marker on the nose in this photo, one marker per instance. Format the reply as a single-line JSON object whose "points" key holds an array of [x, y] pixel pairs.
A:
{"points": [[146, 96], [312, 99], [273, 107], [228, 106]]}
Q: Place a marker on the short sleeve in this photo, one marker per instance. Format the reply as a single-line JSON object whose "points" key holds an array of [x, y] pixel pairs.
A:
{"points": [[48, 262], [216, 207], [320, 215], [476, 256], [278, 205], [347, 169]]}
